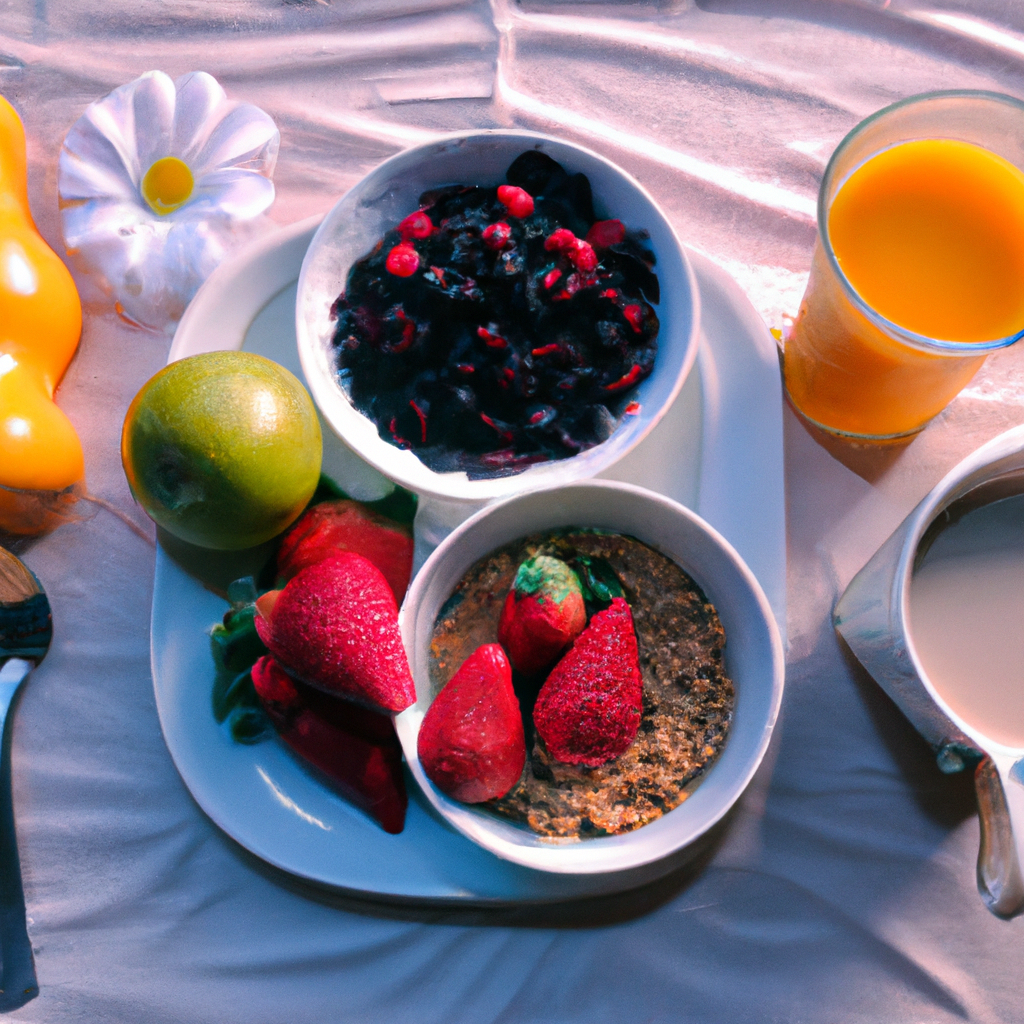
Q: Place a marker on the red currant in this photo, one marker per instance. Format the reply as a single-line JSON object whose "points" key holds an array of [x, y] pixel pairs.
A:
{"points": [[583, 255], [605, 233], [561, 239], [402, 261], [416, 225], [497, 235], [518, 202]]}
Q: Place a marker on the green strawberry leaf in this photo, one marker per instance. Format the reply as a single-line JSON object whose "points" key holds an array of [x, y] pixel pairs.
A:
{"points": [[600, 583], [236, 647], [250, 726]]}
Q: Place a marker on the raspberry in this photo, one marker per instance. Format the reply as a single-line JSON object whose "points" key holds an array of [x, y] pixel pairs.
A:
{"points": [[626, 380], [551, 278], [546, 350], [491, 340]]}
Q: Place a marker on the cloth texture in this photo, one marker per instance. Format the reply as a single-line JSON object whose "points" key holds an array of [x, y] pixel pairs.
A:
{"points": [[841, 890]]}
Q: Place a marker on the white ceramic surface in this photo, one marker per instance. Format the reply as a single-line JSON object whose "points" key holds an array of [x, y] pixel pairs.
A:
{"points": [[718, 450], [390, 192], [873, 617], [753, 660]]}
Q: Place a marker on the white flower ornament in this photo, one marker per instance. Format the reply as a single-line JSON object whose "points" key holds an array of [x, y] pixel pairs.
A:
{"points": [[157, 181]]}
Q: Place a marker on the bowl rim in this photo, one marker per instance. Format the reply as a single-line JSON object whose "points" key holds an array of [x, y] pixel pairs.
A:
{"points": [[455, 486], [623, 851]]}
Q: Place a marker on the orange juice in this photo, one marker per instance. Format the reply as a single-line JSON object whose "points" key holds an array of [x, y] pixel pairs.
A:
{"points": [[929, 235]]}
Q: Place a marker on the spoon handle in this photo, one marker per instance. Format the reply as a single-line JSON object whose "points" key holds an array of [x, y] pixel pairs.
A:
{"points": [[19, 972]]}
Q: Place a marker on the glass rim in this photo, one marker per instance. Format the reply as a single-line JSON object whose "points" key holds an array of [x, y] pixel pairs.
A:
{"points": [[935, 346]]}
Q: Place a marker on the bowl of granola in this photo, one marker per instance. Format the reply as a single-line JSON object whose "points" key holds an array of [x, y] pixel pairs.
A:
{"points": [[641, 721]]}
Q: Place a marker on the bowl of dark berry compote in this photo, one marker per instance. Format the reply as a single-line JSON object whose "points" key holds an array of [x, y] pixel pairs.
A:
{"points": [[494, 312]]}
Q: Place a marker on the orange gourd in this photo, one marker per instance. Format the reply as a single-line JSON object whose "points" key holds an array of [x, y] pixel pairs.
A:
{"points": [[41, 460]]}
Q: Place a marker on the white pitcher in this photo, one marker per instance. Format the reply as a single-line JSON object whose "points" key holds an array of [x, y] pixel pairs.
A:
{"points": [[873, 618]]}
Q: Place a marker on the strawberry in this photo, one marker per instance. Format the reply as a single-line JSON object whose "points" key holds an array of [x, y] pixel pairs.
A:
{"points": [[543, 613], [471, 742], [335, 626], [356, 748], [588, 710], [346, 525]]}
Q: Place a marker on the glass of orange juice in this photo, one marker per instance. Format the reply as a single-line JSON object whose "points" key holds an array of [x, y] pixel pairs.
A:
{"points": [[918, 270]]}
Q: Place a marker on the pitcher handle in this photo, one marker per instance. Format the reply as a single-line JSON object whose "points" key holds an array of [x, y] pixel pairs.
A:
{"points": [[1000, 806]]}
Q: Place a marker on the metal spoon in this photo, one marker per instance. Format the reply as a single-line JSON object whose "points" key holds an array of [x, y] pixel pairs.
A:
{"points": [[25, 633]]}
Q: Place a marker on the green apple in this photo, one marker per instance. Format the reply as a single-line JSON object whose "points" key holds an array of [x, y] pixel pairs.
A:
{"points": [[222, 449]]}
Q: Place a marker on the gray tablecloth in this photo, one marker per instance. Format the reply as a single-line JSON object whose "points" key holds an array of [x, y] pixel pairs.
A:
{"points": [[843, 889]]}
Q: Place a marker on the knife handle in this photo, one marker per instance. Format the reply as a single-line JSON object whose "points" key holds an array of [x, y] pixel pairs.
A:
{"points": [[19, 971]]}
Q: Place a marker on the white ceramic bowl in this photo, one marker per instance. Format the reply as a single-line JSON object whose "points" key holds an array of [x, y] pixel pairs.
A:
{"points": [[753, 660], [384, 197]]}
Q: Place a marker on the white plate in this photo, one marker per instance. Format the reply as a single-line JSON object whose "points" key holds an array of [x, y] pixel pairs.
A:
{"points": [[718, 451]]}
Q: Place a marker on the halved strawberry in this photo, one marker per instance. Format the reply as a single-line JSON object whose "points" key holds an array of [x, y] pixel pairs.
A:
{"points": [[588, 710], [542, 615], [471, 742], [335, 626], [344, 525], [355, 747]]}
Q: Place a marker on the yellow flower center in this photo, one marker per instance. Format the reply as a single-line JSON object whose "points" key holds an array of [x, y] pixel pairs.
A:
{"points": [[167, 185]]}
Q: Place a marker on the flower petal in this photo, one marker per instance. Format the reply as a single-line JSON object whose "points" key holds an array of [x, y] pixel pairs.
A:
{"points": [[105, 136], [198, 97], [153, 105], [84, 223], [245, 137], [233, 192], [94, 173]]}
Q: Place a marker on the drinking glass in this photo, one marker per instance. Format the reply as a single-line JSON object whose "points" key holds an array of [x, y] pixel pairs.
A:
{"points": [[847, 368]]}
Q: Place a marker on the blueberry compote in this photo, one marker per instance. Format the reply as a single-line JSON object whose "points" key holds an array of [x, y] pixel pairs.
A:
{"points": [[499, 327]]}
